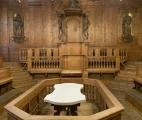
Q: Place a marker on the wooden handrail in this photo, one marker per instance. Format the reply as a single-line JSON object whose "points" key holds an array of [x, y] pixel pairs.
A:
{"points": [[111, 107]]}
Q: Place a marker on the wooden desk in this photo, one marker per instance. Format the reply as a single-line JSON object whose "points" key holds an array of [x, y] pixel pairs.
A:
{"points": [[66, 96]]}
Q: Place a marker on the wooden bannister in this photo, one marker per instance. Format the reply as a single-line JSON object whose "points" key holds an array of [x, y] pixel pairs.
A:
{"points": [[103, 64], [44, 63], [28, 105], [108, 52]]}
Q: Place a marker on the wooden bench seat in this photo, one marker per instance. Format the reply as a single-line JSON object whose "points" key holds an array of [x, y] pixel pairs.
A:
{"points": [[138, 78], [5, 80], [137, 82]]}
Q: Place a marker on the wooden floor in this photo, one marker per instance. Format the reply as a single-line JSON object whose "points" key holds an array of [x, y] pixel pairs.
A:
{"points": [[85, 109]]}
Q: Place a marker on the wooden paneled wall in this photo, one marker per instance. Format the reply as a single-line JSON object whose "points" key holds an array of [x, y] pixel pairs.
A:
{"points": [[41, 24]]}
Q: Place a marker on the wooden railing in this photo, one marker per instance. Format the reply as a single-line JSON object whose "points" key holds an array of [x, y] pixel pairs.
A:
{"points": [[103, 64], [24, 53], [123, 54], [28, 105], [44, 63], [108, 52]]}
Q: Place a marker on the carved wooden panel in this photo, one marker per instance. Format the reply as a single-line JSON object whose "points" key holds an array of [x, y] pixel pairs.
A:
{"points": [[73, 62], [73, 30]]}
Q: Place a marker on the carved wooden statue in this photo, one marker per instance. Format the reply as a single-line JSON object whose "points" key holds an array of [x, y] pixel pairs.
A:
{"points": [[126, 28], [18, 28], [60, 29], [18, 24], [86, 24]]}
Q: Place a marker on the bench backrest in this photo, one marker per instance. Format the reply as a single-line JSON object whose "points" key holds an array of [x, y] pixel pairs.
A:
{"points": [[139, 71], [5, 72]]}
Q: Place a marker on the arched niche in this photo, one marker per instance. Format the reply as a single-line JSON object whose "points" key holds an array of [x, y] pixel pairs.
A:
{"points": [[73, 29]]}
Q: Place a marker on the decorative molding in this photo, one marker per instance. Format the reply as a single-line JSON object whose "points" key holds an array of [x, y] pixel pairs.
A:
{"points": [[18, 39]]}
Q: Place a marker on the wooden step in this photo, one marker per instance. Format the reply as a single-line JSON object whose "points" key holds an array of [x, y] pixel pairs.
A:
{"points": [[134, 97], [22, 76], [134, 63], [21, 72], [22, 79], [24, 85], [25, 88], [123, 78], [127, 72], [7, 97], [120, 85]]}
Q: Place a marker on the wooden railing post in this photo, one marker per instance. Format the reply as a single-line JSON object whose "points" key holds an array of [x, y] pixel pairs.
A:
{"points": [[118, 63], [29, 63]]}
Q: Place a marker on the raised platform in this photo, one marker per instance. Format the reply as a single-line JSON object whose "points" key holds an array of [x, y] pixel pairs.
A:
{"points": [[134, 97]]}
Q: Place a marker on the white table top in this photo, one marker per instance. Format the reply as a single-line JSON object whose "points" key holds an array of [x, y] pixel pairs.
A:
{"points": [[66, 94]]}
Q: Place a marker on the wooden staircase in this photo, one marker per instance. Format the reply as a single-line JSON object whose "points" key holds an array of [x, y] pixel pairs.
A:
{"points": [[22, 79], [129, 71]]}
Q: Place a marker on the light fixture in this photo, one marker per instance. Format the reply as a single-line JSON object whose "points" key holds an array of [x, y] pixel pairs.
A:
{"points": [[19, 1]]}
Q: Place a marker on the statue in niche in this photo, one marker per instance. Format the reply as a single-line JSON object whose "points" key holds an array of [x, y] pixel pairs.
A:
{"points": [[18, 24], [86, 24], [60, 29], [126, 28], [73, 4]]}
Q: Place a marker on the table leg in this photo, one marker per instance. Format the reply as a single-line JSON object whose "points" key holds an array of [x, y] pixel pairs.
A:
{"points": [[57, 112], [58, 108], [73, 110]]}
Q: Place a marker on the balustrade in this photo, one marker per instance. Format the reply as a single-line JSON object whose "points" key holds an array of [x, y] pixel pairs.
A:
{"points": [[101, 62], [23, 53], [30, 102], [44, 62], [108, 51]]}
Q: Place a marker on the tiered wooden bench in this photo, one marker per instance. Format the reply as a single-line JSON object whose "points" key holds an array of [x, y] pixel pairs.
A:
{"points": [[5, 80], [138, 78], [134, 97]]}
